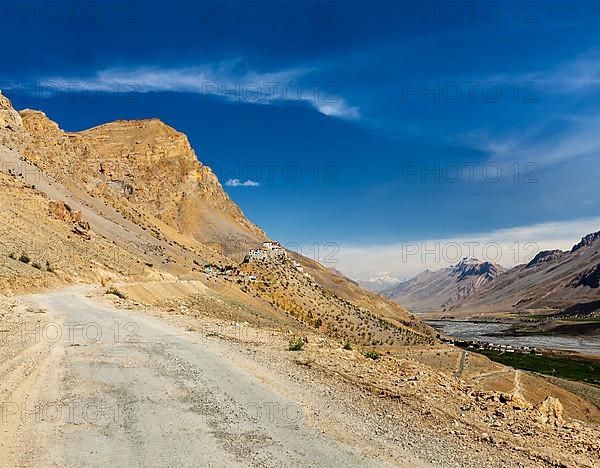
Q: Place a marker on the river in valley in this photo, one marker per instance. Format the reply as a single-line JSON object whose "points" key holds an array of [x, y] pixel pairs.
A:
{"points": [[481, 331]]}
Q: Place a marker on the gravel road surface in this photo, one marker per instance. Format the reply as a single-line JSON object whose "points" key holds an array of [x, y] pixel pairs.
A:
{"points": [[118, 388]]}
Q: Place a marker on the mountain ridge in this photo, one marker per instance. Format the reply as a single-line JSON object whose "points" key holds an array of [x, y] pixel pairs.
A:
{"points": [[130, 201], [440, 289], [554, 280]]}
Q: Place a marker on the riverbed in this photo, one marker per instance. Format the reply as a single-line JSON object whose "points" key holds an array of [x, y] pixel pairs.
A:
{"points": [[481, 331]]}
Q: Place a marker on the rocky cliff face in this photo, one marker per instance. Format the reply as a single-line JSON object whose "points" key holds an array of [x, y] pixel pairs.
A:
{"points": [[12, 133], [146, 167], [480, 271], [589, 278]]}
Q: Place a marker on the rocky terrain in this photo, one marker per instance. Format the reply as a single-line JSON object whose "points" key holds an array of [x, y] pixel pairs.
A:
{"points": [[415, 399], [146, 170], [132, 201]]}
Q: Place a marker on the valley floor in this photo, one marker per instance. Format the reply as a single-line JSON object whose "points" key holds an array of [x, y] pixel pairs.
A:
{"points": [[86, 381]]}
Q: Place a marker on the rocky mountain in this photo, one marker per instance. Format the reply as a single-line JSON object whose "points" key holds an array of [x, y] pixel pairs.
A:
{"points": [[129, 201], [587, 241], [145, 167], [553, 281], [438, 290], [544, 257]]}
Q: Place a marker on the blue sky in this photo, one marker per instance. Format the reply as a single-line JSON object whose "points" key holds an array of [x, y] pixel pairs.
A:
{"points": [[359, 124]]}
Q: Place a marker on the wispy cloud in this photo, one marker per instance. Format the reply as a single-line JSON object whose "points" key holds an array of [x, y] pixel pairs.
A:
{"points": [[507, 247], [580, 74], [558, 137], [577, 138], [239, 183], [574, 76], [229, 81]]}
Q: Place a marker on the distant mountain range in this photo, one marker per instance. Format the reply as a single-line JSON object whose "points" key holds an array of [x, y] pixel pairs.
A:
{"points": [[438, 290], [553, 281], [379, 284]]}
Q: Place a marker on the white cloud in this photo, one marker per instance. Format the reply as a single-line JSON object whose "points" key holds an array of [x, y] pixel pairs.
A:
{"points": [[507, 247], [239, 183], [579, 139], [339, 108], [223, 80]]}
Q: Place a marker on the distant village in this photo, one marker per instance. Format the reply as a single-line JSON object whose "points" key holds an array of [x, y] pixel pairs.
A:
{"points": [[483, 345]]}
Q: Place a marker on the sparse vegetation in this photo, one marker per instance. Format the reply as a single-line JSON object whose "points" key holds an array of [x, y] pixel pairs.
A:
{"points": [[115, 292], [12, 255], [49, 267], [296, 344], [36, 265], [372, 355], [348, 346], [24, 258]]}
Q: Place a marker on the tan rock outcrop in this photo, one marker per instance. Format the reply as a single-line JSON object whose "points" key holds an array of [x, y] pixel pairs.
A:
{"points": [[550, 411], [12, 133], [147, 166]]}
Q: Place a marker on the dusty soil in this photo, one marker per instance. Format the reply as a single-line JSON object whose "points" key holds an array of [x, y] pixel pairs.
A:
{"points": [[183, 388], [429, 404]]}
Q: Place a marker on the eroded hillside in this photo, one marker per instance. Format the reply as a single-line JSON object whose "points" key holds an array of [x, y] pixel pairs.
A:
{"points": [[135, 195], [143, 168]]}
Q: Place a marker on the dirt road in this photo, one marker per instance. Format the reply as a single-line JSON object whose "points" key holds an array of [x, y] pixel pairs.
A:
{"points": [[116, 388]]}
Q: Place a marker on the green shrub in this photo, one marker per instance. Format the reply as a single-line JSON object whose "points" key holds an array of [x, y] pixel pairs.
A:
{"points": [[24, 258], [296, 344], [318, 323], [372, 355], [115, 292], [348, 346]]}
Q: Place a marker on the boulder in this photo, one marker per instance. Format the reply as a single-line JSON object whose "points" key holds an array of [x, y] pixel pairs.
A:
{"points": [[550, 412]]}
